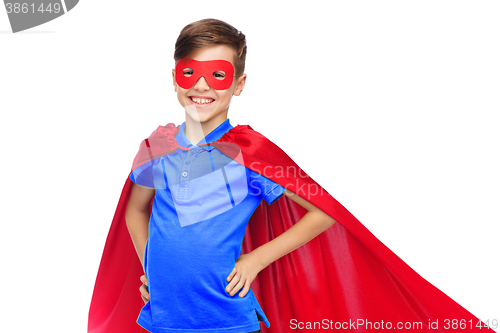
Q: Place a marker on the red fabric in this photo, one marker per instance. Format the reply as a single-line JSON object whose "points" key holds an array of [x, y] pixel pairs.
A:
{"points": [[341, 277]]}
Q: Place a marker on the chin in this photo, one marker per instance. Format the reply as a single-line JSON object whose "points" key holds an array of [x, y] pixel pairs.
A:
{"points": [[202, 115]]}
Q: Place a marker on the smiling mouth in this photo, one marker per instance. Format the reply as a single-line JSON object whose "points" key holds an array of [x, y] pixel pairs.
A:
{"points": [[201, 101]]}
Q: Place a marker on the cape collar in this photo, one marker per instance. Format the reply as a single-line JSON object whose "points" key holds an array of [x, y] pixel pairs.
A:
{"points": [[167, 139]]}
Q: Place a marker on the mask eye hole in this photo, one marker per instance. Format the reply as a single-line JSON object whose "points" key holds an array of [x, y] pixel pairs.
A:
{"points": [[219, 75], [187, 72]]}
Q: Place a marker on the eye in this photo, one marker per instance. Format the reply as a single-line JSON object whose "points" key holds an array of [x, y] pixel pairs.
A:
{"points": [[187, 72], [219, 75]]}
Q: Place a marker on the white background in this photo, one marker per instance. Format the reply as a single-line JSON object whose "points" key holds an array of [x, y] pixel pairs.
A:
{"points": [[392, 106]]}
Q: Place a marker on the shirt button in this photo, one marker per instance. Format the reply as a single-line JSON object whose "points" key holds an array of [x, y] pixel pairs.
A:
{"points": [[184, 174]]}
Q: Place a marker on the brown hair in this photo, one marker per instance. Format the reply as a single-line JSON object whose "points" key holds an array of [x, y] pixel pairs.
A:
{"points": [[211, 32]]}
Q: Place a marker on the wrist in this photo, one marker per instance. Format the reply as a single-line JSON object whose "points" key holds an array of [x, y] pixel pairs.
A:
{"points": [[259, 257]]}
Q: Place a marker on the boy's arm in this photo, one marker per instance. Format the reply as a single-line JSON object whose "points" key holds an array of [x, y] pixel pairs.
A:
{"points": [[314, 222], [137, 217]]}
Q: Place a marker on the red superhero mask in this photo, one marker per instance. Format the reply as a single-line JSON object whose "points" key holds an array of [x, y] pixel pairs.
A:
{"points": [[218, 73]]}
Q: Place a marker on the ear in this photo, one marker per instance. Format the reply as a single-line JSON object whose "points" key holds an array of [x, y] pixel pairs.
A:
{"points": [[173, 77], [240, 84]]}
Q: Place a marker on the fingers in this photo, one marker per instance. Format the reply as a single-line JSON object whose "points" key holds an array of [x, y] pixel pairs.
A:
{"points": [[245, 289], [237, 282], [235, 278], [144, 280], [237, 288], [144, 293], [231, 275], [232, 288], [144, 289]]}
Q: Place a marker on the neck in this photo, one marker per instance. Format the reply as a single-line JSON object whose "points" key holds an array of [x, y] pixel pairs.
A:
{"points": [[196, 130]]}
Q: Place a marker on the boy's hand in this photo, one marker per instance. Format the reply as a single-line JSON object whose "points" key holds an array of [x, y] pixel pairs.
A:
{"points": [[244, 272], [144, 289]]}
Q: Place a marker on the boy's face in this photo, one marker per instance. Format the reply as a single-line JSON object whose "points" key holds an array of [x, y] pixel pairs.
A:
{"points": [[201, 101]]}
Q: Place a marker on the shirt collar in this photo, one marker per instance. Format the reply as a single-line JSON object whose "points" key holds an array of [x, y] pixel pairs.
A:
{"points": [[215, 135]]}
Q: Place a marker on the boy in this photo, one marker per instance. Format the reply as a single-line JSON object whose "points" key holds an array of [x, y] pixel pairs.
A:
{"points": [[207, 179], [199, 242]]}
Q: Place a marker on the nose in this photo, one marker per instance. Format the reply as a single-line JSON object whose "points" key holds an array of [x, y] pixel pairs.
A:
{"points": [[201, 84]]}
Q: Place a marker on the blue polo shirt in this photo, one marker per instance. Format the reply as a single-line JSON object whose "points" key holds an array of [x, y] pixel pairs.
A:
{"points": [[203, 201]]}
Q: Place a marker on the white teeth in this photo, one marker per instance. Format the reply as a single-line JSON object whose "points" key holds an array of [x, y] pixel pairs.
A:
{"points": [[202, 100]]}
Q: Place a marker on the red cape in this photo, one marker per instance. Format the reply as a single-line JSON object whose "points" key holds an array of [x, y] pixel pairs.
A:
{"points": [[345, 278]]}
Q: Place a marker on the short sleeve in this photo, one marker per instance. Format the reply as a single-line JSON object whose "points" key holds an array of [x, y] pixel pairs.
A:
{"points": [[143, 175], [269, 190]]}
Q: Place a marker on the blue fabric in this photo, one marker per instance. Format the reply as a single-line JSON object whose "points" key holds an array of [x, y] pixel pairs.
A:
{"points": [[203, 201]]}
